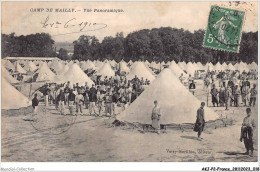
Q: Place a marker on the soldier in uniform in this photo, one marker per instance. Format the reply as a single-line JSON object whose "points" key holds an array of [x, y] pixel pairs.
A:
{"points": [[214, 92], [200, 122], [253, 94], [236, 93], [156, 115], [228, 95], [247, 130]]}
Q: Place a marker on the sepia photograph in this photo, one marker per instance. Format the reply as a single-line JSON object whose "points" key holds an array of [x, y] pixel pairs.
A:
{"points": [[169, 81]]}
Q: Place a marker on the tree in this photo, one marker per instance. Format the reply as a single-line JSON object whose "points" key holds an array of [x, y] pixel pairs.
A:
{"points": [[33, 45], [63, 54]]}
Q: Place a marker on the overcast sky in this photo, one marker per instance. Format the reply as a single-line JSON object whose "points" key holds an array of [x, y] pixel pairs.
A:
{"points": [[16, 17]]}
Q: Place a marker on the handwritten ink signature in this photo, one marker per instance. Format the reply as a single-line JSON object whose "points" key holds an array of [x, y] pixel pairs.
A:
{"points": [[80, 26]]}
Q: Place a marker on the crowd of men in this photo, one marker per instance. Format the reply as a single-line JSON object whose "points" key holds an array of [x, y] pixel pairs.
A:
{"points": [[227, 88], [231, 91], [100, 99]]}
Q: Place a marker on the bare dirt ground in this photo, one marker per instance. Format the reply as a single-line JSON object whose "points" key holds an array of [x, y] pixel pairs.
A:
{"points": [[83, 138]]}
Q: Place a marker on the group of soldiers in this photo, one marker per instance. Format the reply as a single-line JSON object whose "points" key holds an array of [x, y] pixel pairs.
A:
{"points": [[100, 99], [233, 92]]}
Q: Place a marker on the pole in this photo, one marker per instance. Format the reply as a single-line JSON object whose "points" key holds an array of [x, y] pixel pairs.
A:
{"points": [[207, 98], [30, 90]]}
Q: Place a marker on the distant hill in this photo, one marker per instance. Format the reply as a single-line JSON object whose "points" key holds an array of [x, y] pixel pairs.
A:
{"points": [[65, 45]]}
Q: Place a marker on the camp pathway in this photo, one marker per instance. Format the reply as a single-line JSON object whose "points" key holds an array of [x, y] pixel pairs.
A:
{"points": [[92, 139]]}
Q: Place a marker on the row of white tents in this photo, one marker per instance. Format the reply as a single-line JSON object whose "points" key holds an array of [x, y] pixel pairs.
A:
{"points": [[60, 71], [189, 67]]}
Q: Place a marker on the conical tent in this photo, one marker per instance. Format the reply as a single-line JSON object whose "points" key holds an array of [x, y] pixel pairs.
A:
{"points": [[162, 63], [190, 68], [182, 65], [56, 65], [224, 65], [123, 67], [253, 66], [112, 63], [40, 63], [61, 72], [200, 66], [242, 67], [130, 62], [71, 63], [19, 68], [99, 64], [83, 65], [230, 67], [209, 66], [8, 65], [218, 67], [148, 64], [155, 65], [177, 104], [3, 62], [90, 65], [177, 71], [74, 75], [106, 71], [7, 76], [30, 66], [44, 73], [140, 70], [12, 98]]}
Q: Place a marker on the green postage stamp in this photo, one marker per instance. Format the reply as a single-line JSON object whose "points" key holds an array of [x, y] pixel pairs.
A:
{"points": [[224, 29]]}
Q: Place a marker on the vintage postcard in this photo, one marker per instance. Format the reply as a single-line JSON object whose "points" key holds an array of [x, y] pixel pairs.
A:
{"points": [[129, 82]]}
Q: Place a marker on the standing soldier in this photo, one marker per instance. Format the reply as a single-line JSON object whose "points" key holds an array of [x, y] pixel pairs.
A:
{"points": [[253, 94], [61, 100], [156, 115], [247, 130], [71, 99], [221, 95], [66, 93], [181, 78], [35, 103], [200, 122], [228, 94], [236, 93], [192, 87], [214, 92], [245, 94], [92, 99], [99, 102]]}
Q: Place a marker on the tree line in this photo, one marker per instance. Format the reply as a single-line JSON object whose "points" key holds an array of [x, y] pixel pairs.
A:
{"points": [[33, 45], [157, 44]]}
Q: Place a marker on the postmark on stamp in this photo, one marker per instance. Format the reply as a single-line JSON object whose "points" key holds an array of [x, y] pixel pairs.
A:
{"points": [[224, 29]]}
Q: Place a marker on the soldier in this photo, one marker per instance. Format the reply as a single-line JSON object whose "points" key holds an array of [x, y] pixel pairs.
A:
{"points": [[200, 122], [214, 92], [221, 95], [92, 99], [181, 78], [236, 93], [192, 87], [253, 94], [247, 130], [228, 94], [245, 94], [156, 115], [71, 99], [35, 103]]}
